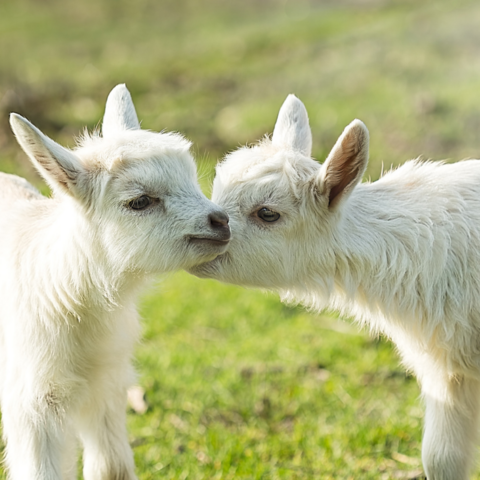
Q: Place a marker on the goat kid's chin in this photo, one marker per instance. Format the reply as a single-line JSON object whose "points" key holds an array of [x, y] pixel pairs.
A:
{"points": [[208, 269]]}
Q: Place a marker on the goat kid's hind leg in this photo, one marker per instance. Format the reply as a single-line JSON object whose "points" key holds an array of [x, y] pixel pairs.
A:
{"points": [[107, 454], [451, 423]]}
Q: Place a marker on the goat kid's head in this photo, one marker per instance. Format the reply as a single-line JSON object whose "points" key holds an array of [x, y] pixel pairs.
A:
{"points": [[284, 207], [135, 191]]}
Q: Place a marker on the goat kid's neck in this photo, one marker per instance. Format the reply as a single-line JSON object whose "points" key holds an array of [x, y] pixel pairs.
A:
{"points": [[74, 276], [383, 258]]}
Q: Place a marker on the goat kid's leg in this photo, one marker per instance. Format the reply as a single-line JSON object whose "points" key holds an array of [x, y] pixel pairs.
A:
{"points": [[107, 454], [34, 437], [70, 456], [451, 423]]}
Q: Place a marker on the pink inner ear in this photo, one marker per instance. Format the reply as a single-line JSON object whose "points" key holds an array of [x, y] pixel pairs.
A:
{"points": [[347, 177], [345, 166]]}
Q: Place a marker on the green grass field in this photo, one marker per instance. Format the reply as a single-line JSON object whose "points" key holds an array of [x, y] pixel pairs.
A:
{"points": [[239, 385]]}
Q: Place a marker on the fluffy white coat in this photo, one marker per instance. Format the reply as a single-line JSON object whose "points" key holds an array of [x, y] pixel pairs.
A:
{"points": [[401, 255], [125, 206]]}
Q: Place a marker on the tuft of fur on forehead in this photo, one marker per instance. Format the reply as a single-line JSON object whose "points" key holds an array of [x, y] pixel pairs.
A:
{"points": [[128, 146], [266, 162]]}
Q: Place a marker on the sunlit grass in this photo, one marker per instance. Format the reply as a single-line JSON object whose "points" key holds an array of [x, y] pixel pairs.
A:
{"points": [[241, 386]]}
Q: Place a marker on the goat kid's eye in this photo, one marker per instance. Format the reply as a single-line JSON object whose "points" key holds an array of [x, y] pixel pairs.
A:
{"points": [[140, 203], [268, 215]]}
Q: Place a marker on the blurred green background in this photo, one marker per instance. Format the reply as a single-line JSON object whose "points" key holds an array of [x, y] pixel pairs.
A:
{"points": [[240, 386]]}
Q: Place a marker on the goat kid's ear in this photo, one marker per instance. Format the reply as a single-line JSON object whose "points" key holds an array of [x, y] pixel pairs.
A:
{"points": [[345, 164], [58, 166], [120, 114], [292, 129]]}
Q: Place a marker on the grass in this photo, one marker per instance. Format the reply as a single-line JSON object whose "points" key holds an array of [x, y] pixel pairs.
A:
{"points": [[240, 386]]}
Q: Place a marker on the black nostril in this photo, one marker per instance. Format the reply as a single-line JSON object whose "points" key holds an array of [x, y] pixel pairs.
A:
{"points": [[218, 219]]}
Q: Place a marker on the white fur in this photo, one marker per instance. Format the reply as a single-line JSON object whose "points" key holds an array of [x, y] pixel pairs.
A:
{"points": [[70, 270], [400, 255]]}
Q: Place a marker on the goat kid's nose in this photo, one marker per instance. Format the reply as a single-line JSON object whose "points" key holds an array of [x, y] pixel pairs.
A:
{"points": [[218, 219]]}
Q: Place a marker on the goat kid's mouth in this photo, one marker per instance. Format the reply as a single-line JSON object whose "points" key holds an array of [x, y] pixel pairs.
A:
{"points": [[209, 241]]}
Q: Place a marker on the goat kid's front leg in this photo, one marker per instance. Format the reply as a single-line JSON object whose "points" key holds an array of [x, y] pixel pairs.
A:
{"points": [[70, 456], [107, 454], [451, 423], [34, 436]]}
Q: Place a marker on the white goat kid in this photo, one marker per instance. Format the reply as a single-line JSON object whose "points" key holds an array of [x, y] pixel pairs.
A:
{"points": [[401, 255], [125, 206]]}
